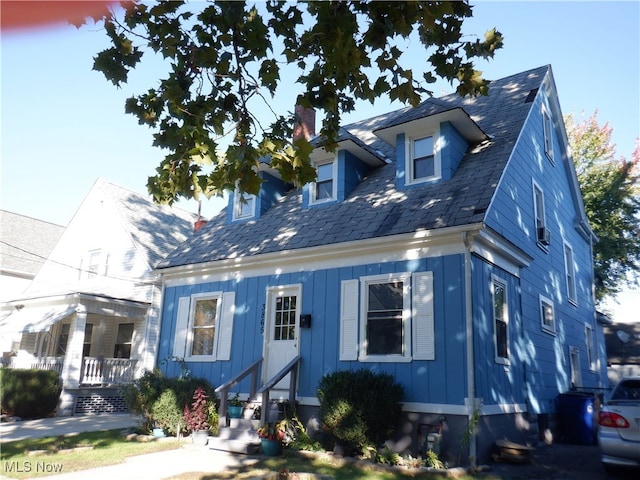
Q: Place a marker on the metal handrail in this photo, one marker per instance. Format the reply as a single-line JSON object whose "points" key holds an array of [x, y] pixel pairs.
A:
{"points": [[223, 390], [291, 367]]}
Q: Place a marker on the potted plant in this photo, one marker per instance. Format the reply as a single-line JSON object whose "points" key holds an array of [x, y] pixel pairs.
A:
{"points": [[196, 417], [271, 436], [235, 407]]}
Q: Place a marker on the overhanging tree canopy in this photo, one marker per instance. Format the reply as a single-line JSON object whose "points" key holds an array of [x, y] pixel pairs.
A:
{"points": [[227, 55]]}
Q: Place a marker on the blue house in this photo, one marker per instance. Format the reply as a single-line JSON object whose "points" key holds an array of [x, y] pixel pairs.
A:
{"points": [[445, 244]]}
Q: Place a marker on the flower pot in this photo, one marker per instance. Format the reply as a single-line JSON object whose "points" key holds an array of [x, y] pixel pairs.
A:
{"points": [[200, 437], [271, 448], [234, 411]]}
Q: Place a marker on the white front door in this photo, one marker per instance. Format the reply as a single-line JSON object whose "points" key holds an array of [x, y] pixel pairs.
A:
{"points": [[282, 331]]}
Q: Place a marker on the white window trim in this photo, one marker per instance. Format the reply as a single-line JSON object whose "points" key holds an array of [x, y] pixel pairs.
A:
{"points": [[545, 328], [405, 278], [183, 337], [547, 128], [437, 163], [334, 182], [496, 279], [237, 205], [570, 274], [590, 347], [101, 264], [536, 213]]}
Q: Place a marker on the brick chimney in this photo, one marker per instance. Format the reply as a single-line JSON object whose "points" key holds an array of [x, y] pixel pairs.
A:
{"points": [[305, 125], [200, 222]]}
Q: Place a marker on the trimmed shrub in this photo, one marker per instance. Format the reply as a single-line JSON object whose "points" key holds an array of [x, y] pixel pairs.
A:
{"points": [[166, 413], [29, 393], [359, 408], [142, 395]]}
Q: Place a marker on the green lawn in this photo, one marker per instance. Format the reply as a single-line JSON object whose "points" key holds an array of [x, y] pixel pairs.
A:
{"points": [[42, 457], [53, 455]]}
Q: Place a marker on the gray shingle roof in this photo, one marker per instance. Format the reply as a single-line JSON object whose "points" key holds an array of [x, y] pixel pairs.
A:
{"points": [[25, 242], [376, 208], [155, 229]]}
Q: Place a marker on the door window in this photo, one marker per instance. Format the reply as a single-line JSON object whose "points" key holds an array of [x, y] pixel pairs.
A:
{"points": [[285, 318]]}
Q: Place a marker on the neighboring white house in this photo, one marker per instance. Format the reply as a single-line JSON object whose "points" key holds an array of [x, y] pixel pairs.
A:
{"points": [[92, 311], [25, 243]]}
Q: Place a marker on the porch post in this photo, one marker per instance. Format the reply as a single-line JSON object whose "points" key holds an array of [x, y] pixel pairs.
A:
{"points": [[72, 364]]}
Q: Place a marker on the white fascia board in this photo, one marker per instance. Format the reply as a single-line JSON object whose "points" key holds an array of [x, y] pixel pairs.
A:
{"points": [[406, 247], [499, 251], [457, 116]]}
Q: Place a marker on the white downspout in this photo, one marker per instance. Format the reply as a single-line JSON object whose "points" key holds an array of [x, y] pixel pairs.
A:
{"points": [[471, 387]]}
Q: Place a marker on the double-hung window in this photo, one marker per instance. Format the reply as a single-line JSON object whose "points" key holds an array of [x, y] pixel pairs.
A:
{"points": [[323, 189], [63, 340], [385, 323], [95, 263], [543, 237], [387, 318], [204, 324], [244, 205], [570, 273], [547, 315], [422, 159], [500, 319], [124, 341]]}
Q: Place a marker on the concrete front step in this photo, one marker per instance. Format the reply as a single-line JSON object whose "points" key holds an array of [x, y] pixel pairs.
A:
{"points": [[241, 437]]}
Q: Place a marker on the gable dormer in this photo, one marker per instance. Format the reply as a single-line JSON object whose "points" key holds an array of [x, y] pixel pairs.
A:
{"points": [[429, 148], [339, 172], [244, 207]]}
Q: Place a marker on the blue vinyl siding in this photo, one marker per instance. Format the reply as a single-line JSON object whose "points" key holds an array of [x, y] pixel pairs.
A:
{"points": [[546, 357], [496, 383], [401, 162], [452, 148], [271, 190], [351, 171], [441, 381]]}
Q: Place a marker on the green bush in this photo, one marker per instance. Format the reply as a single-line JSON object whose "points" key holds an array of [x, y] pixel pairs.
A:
{"points": [[166, 413], [359, 408], [29, 393], [142, 395]]}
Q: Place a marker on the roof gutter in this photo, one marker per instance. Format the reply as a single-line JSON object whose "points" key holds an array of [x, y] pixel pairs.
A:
{"points": [[348, 251]]}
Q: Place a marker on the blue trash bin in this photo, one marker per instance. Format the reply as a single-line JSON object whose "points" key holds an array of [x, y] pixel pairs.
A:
{"points": [[577, 418]]}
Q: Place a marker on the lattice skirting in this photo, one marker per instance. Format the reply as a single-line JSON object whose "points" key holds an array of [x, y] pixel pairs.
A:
{"points": [[96, 403]]}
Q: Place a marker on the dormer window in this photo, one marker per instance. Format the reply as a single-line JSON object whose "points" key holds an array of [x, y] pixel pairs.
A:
{"points": [[324, 188], [423, 158], [244, 205], [423, 162]]}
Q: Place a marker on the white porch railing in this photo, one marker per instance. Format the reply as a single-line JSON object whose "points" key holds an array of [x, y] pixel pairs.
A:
{"points": [[36, 363], [107, 371]]}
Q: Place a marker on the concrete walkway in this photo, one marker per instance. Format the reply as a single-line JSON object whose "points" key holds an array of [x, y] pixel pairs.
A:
{"points": [[160, 465], [50, 427]]}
